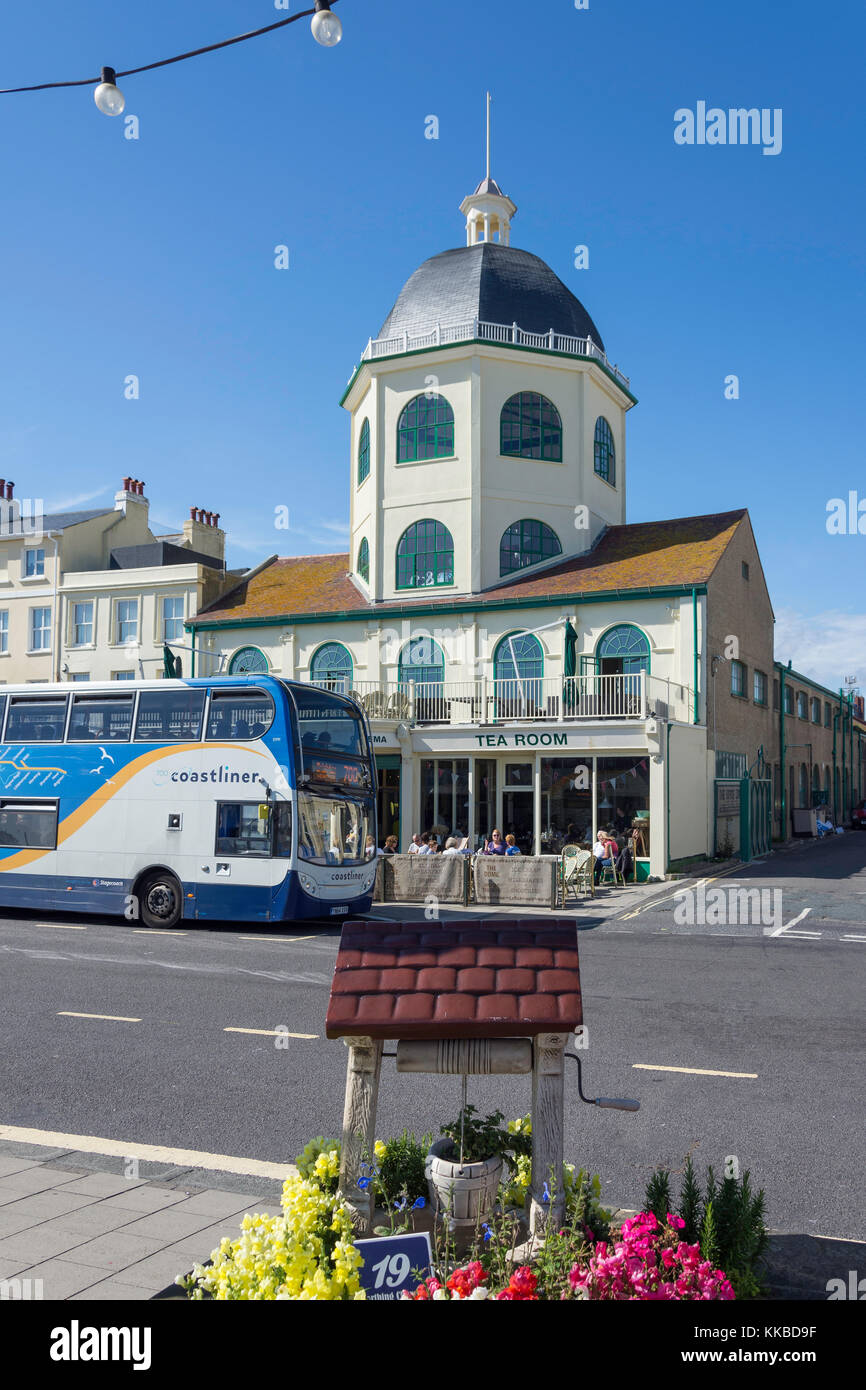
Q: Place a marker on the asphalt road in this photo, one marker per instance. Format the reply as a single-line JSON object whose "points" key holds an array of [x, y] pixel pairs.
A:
{"points": [[778, 1014]]}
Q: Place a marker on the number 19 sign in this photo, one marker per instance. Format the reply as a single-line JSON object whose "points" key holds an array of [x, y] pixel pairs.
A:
{"points": [[394, 1263]]}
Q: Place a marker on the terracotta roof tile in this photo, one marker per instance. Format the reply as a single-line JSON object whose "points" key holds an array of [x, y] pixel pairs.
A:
{"points": [[652, 554], [462, 982]]}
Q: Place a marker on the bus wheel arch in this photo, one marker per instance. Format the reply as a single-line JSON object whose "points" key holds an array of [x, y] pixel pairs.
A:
{"points": [[159, 895]]}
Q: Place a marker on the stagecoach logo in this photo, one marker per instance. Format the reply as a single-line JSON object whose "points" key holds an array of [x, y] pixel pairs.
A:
{"points": [[108, 883]]}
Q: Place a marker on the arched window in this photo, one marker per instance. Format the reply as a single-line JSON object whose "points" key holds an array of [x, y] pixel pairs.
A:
{"points": [[425, 430], [425, 556], [518, 669], [364, 452], [622, 651], [605, 454], [804, 785], [530, 428], [816, 785], [331, 667], [248, 661], [525, 543], [364, 561], [422, 664]]}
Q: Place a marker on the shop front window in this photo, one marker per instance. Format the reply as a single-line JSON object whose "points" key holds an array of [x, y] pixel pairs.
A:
{"points": [[485, 800], [622, 796], [445, 797], [518, 806], [566, 803]]}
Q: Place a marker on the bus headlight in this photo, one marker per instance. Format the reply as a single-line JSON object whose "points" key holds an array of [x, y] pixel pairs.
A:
{"points": [[308, 884]]}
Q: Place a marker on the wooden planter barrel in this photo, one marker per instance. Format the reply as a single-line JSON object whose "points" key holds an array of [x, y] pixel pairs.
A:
{"points": [[465, 1193]]}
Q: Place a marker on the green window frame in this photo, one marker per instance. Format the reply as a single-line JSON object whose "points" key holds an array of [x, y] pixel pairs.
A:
{"points": [[526, 542], [422, 661], [425, 430], [425, 556], [364, 560], [248, 661], [530, 427], [625, 643], [738, 679], [332, 667], [604, 452], [528, 653], [364, 453], [759, 687]]}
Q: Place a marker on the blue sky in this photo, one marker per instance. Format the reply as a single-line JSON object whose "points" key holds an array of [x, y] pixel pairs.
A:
{"points": [[155, 257]]}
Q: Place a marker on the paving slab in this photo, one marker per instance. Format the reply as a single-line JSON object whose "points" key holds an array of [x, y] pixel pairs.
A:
{"points": [[115, 1250], [146, 1199], [102, 1185], [169, 1226], [112, 1289], [63, 1278], [37, 1243], [42, 1206], [216, 1203], [16, 1165], [34, 1179]]}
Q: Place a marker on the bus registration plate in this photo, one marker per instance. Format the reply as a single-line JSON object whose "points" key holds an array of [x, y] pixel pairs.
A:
{"points": [[338, 911]]}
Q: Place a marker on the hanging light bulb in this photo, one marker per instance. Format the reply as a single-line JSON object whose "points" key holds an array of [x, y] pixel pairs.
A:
{"points": [[326, 27], [108, 97]]}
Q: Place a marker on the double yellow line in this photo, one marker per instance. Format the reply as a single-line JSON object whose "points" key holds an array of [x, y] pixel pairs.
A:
{"points": [[684, 888]]}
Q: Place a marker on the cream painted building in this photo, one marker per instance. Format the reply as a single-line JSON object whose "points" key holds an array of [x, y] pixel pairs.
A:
{"points": [[528, 660], [94, 595]]}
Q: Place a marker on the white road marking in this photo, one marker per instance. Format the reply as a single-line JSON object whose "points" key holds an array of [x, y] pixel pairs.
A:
{"points": [[284, 940], [270, 1033], [696, 1071], [58, 926], [150, 1153], [851, 937], [781, 931], [109, 1018], [157, 931]]}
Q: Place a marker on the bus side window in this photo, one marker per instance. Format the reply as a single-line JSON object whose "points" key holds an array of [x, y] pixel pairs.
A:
{"points": [[169, 714], [239, 714], [283, 829]]}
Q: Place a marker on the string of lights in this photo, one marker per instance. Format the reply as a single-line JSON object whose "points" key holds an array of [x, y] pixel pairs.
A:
{"points": [[326, 28]]}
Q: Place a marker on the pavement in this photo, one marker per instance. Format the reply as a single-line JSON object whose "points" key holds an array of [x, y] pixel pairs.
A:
{"points": [[74, 1222]]}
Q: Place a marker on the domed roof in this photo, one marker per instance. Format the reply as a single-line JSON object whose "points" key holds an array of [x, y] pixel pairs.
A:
{"points": [[495, 283]]}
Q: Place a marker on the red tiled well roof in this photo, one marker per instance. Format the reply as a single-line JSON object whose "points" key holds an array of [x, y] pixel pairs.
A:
{"points": [[506, 978]]}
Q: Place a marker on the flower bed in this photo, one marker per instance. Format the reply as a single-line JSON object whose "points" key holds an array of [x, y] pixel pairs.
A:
{"points": [[308, 1252]]}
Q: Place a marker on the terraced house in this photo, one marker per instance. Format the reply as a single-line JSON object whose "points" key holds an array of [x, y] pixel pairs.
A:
{"points": [[528, 659]]}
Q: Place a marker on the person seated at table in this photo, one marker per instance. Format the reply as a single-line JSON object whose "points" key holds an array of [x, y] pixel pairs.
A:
{"points": [[415, 845], [495, 845], [390, 846], [510, 845], [605, 850], [451, 846], [572, 837]]}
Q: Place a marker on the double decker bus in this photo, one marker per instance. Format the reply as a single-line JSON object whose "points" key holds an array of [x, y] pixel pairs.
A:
{"points": [[246, 799]]}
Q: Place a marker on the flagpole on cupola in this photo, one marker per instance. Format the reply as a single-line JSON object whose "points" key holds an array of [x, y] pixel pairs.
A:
{"points": [[488, 135]]}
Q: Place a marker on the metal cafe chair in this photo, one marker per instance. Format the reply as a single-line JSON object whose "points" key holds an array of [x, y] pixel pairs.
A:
{"points": [[575, 872]]}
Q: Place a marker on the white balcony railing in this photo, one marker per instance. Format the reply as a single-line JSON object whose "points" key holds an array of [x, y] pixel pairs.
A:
{"points": [[537, 698], [476, 330]]}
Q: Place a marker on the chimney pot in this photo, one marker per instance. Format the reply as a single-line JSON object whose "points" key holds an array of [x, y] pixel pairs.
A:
{"points": [[9, 487], [216, 518], [192, 513], [126, 482], [209, 518]]}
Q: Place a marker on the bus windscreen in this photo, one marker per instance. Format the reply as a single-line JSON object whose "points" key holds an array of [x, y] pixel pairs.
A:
{"points": [[328, 727]]}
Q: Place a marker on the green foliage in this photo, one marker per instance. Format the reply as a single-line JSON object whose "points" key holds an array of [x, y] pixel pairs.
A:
{"points": [[401, 1168], [690, 1203], [485, 1138], [727, 1221], [657, 1198], [709, 1242]]}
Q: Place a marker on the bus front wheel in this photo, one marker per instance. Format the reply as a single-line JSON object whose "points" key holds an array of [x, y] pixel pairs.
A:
{"points": [[159, 895]]}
